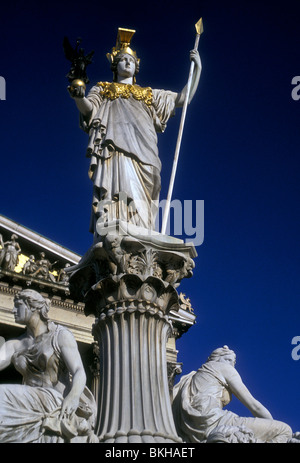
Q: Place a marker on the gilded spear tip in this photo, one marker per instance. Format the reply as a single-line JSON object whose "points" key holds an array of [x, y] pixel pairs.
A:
{"points": [[199, 26]]}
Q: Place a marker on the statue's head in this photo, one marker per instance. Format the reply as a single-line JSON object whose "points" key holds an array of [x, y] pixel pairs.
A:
{"points": [[123, 51], [34, 301], [120, 62], [223, 354]]}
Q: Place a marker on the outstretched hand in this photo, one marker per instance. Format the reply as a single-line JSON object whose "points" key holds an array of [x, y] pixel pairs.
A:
{"points": [[69, 406], [195, 57], [76, 92]]}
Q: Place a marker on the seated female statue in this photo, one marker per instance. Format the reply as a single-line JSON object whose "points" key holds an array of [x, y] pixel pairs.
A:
{"points": [[200, 398], [53, 404]]}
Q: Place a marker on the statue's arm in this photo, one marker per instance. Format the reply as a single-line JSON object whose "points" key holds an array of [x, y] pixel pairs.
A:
{"points": [[72, 359], [84, 105], [6, 352], [239, 389], [195, 57]]}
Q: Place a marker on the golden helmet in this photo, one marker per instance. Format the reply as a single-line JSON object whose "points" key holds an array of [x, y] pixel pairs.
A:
{"points": [[123, 44]]}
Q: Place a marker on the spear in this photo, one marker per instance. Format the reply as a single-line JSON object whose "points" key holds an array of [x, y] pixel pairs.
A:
{"points": [[199, 30]]}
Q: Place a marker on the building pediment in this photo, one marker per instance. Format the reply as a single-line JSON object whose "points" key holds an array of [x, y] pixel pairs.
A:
{"points": [[30, 259]]}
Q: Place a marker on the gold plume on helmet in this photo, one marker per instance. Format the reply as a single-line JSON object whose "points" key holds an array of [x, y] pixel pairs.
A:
{"points": [[123, 44]]}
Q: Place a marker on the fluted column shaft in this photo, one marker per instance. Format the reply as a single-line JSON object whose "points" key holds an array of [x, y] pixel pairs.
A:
{"points": [[128, 281], [134, 403]]}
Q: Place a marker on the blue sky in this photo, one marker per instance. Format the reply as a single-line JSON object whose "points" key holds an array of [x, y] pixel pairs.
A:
{"points": [[240, 154]]}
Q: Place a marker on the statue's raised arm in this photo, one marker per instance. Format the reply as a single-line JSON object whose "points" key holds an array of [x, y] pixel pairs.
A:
{"points": [[195, 57]]}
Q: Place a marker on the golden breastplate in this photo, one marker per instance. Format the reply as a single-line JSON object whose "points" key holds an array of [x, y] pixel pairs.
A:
{"points": [[114, 90]]}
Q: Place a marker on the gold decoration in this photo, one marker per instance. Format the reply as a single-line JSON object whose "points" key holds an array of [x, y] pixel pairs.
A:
{"points": [[77, 83], [199, 27], [114, 90], [123, 41], [22, 259]]}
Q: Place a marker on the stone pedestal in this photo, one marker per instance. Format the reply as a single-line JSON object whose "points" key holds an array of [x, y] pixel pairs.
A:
{"points": [[128, 280]]}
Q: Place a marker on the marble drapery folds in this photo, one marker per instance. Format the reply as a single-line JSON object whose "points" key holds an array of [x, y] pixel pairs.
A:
{"points": [[198, 403], [29, 412], [123, 151]]}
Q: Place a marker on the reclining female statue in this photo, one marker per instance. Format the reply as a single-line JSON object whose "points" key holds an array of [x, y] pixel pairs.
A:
{"points": [[200, 396]]}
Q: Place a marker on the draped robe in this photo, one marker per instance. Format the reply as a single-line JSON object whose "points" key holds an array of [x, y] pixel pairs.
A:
{"points": [[29, 412], [124, 163], [198, 403]]}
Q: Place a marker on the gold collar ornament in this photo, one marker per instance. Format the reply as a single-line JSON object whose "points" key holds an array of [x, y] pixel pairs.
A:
{"points": [[114, 90]]}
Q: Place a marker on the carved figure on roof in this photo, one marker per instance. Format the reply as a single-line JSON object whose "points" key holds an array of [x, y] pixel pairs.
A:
{"points": [[30, 266], [63, 276], [122, 120], [53, 403], [43, 268], [9, 254]]}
